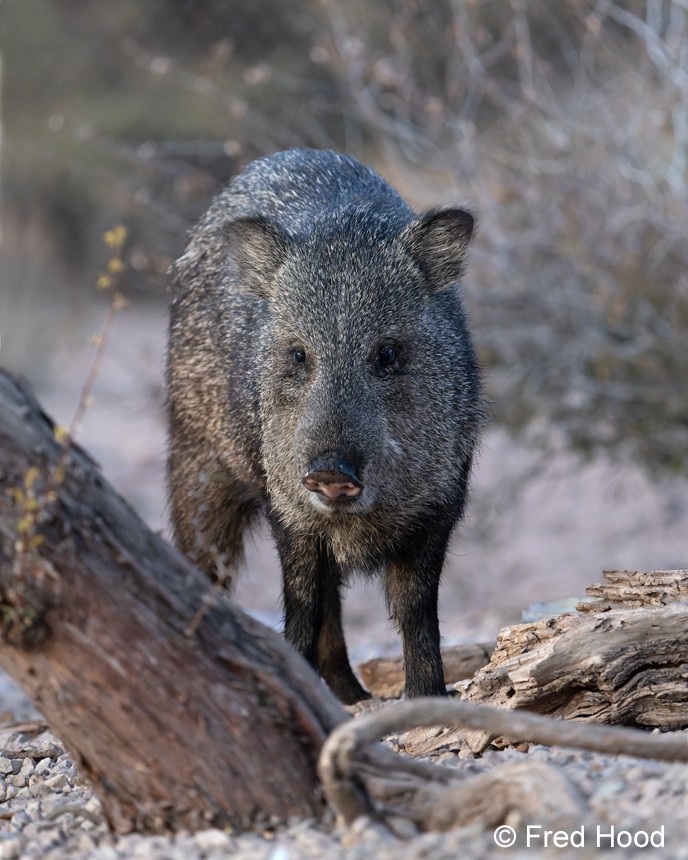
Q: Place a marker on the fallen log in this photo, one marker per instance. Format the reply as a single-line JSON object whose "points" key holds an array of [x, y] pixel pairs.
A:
{"points": [[180, 709], [619, 666], [632, 589], [622, 666]]}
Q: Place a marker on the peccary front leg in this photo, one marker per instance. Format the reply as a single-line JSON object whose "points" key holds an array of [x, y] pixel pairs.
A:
{"points": [[312, 610], [302, 596], [333, 660], [412, 582]]}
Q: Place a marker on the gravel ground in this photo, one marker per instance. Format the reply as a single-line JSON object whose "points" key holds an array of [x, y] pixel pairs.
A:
{"points": [[47, 811]]}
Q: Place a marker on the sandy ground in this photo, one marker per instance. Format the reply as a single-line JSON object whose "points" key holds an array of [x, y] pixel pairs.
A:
{"points": [[538, 529]]}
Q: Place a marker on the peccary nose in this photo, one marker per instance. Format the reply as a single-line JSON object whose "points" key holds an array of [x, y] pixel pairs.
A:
{"points": [[334, 477]]}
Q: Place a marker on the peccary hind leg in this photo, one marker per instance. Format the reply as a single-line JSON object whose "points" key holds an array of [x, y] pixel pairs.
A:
{"points": [[210, 512]]}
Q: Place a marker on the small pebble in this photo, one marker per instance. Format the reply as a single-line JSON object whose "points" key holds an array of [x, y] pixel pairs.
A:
{"points": [[402, 827], [27, 767], [93, 806], [38, 786], [11, 846], [84, 842], [281, 852], [33, 808], [608, 789], [18, 779], [55, 804], [56, 781], [211, 840], [10, 765], [21, 819]]}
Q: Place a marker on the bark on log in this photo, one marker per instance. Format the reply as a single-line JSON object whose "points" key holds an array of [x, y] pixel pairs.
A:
{"points": [[622, 666], [384, 676], [632, 589], [95, 612], [625, 666]]}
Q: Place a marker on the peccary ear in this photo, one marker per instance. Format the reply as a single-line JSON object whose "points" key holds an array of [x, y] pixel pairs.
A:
{"points": [[259, 247], [438, 241]]}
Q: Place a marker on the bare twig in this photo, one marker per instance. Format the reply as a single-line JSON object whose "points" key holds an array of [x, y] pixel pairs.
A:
{"points": [[340, 753]]}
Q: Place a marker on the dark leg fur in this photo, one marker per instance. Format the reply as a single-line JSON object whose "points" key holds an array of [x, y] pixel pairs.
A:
{"points": [[333, 660], [412, 582], [312, 609]]}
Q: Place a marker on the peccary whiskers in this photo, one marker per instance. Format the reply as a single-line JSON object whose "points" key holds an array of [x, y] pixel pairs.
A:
{"points": [[321, 368]]}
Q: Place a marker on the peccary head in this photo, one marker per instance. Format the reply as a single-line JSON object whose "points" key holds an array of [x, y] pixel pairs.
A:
{"points": [[367, 382]]}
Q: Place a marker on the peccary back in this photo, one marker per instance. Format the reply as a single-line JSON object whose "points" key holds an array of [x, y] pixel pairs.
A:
{"points": [[320, 371]]}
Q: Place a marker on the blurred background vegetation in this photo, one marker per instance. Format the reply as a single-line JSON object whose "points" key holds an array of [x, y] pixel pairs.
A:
{"points": [[563, 125]]}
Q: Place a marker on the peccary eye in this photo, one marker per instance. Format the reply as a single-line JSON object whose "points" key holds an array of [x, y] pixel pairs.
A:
{"points": [[387, 360], [387, 355], [298, 356]]}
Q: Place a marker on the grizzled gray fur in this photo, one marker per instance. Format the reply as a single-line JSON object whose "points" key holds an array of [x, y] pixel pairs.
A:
{"points": [[320, 371]]}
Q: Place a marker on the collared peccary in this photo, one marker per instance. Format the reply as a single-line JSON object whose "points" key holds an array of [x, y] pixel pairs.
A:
{"points": [[320, 371]]}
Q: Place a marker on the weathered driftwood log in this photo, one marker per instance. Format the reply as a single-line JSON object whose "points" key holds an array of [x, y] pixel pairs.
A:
{"points": [[384, 676], [441, 798], [632, 589], [622, 666], [181, 711]]}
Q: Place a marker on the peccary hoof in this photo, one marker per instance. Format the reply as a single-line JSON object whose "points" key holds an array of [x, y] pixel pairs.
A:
{"points": [[334, 477]]}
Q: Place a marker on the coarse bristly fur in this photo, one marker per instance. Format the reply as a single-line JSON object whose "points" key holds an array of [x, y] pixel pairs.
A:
{"points": [[314, 315]]}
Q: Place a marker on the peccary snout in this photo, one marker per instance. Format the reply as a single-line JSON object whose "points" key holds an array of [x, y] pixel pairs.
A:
{"points": [[333, 476]]}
